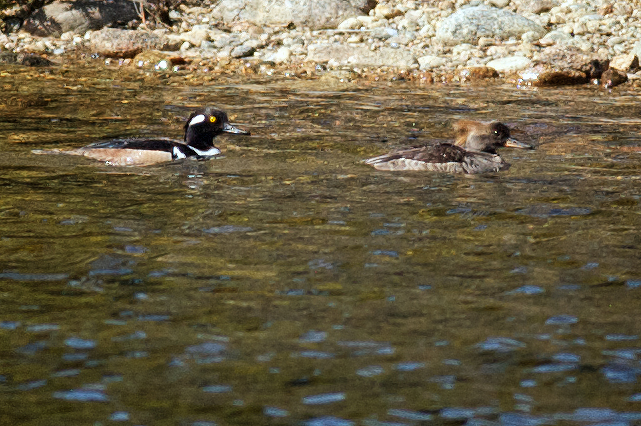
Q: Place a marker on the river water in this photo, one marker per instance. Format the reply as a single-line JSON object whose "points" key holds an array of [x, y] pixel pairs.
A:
{"points": [[287, 283]]}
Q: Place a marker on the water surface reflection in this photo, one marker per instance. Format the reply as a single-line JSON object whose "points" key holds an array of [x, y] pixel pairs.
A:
{"points": [[289, 283]]}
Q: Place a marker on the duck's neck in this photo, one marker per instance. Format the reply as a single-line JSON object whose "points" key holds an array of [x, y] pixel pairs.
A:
{"points": [[199, 140]]}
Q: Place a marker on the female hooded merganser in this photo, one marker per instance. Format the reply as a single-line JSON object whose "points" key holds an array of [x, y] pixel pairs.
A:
{"points": [[200, 130], [474, 151]]}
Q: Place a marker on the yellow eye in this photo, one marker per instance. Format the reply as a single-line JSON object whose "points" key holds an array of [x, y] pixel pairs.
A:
{"points": [[212, 119]]}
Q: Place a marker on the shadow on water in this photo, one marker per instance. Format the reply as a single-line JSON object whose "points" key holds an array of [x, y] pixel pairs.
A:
{"points": [[287, 282]]}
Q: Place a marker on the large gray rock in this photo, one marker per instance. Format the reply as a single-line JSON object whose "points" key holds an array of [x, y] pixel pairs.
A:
{"points": [[469, 24], [561, 66], [360, 54], [78, 16], [112, 42], [308, 13]]}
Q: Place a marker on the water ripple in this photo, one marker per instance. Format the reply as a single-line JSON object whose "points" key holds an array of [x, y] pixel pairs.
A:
{"points": [[82, 395], [325, 398]]}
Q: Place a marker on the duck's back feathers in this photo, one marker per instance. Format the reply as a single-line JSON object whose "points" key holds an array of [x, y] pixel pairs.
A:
{"points": [[158, 144], [442, 157]]}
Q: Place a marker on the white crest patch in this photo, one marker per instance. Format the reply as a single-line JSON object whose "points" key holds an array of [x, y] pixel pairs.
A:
{"points": [[197, 119], [178, 154]]}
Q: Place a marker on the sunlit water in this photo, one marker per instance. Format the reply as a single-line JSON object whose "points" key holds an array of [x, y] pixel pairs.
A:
{"points": [[287, 283]]}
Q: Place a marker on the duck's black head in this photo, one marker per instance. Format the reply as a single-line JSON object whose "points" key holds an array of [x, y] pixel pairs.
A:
{"points": [[204, 125]]}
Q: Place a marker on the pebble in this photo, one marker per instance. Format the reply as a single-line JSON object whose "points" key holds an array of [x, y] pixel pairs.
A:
{"points": [[394, 35]]}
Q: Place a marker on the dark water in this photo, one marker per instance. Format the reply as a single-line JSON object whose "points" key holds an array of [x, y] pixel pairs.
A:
{"points": [[289, 284]]}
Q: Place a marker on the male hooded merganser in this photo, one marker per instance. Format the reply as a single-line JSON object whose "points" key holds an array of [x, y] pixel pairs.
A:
{"points": [[474, 151], [200, 130]]}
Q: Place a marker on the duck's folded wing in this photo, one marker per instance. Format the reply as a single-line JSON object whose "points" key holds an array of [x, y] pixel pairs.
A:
{"points": [[442, 157], [158, 144]]}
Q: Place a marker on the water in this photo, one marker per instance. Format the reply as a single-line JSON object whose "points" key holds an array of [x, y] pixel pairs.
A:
{"points": [[288, 283]]}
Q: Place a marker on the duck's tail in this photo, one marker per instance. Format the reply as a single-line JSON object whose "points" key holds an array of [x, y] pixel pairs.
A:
{"points": [[381, 159]]}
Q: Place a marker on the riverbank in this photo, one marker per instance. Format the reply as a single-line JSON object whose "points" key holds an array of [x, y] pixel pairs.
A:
{"points": [[525, 42]]}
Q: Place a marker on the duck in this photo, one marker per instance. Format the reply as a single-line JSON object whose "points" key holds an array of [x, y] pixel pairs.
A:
{"points": [[201, 128], [473, 151]]}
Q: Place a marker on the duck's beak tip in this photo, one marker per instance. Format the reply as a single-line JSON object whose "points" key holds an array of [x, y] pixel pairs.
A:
{"points": [[228, 128], [513, 143]]}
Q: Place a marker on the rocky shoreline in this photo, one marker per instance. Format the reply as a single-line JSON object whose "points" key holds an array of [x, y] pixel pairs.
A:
{"points": [[529, 42]]}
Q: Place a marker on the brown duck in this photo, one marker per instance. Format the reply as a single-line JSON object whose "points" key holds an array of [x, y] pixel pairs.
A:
{"points": [[474, 151]]}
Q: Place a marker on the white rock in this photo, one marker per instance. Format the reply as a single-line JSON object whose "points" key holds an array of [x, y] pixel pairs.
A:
{"points": [[461, 48], [629, 62], [497, 51], [350, 24], [467, 25], [196, 36], [430, 61], [558, 37], [365, 21], [530, 37], [592, 26], [557, 18], [38, 46], [185, 46], [580, 28], [615, 40], [68, 36], [427, 31], [280, 56], [636, 50], [510, 63], [414, 16]]}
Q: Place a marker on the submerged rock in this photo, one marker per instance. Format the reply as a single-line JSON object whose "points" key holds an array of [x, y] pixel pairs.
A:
{"points": [[469, 24], [79, 16], [160, 61], [613, 77], [479, 73], [547, 75], [26, 59]]}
